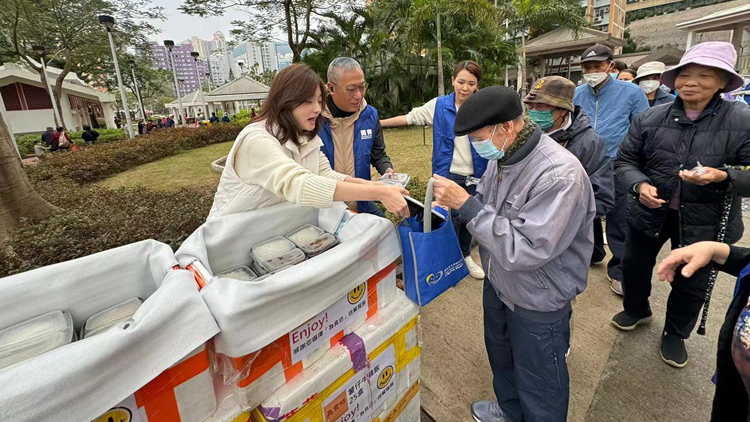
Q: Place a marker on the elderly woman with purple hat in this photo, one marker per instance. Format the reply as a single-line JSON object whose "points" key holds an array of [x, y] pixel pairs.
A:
{"points": [[680, 162]]}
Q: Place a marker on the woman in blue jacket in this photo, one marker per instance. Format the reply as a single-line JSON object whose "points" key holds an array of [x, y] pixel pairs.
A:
{"points": [[452, 156]]}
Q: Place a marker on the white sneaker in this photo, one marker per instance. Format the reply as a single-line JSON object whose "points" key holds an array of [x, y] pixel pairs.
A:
{"points": [[474, 270], [615, 284]]}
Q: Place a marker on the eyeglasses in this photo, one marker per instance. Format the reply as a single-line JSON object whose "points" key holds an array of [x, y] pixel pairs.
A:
{"points": [[351, 90]]}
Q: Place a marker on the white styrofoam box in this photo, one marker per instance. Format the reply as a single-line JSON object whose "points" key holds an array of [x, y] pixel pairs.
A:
{"points": [[182, 393], [407, 409], [259, 374], [38, 335], [389, 339], [82, 380]]}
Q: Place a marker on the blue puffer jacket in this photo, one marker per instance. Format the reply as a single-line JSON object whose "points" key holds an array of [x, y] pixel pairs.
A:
{"points": [[611, 109]]}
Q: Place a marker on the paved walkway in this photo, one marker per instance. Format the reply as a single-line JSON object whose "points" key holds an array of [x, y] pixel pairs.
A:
{"points": [[615, 376]]}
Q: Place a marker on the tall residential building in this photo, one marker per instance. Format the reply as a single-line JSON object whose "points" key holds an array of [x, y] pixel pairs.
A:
{"points": [[219, 43], [246, 56], [203, 47], [251, 54], [269, 56], [185, 65], [607, 16], [219, 69]]}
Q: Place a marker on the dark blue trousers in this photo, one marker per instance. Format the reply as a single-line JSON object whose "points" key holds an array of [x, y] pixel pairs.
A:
{"points": [[617, 230], [529, 367]]}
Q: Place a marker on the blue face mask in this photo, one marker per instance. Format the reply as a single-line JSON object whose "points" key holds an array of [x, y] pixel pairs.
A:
{"points": [[544, 119], [614, 75], [487, 150]]}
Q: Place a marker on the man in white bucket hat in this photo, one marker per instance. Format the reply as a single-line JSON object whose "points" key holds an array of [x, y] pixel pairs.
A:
{"points": [[682, 162], [649, 79]]}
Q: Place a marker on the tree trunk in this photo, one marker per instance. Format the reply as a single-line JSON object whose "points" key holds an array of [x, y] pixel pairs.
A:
{"points": [[18, 199], [441, 87], [58, 119]]}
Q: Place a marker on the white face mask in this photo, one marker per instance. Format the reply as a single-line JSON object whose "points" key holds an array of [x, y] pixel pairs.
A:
{"points": [[594, 79], [649, 86]]}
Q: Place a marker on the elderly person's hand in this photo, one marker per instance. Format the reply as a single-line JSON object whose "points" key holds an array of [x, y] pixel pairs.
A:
{"points": [[648, 196], [695, 257], [448, 193], [710, 175]]}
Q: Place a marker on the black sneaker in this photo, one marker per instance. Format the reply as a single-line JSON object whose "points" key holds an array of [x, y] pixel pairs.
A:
{"points": [[627, 322], [673, 351]]}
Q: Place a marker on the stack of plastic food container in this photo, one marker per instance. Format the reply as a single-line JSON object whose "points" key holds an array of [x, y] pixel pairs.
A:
{"points": [[36, 336], [312, 240], [242, 273], [396, 179], [276, 254], [100, 321]]}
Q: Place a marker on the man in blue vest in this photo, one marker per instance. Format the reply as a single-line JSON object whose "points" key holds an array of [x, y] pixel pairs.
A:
{"points": [[611, 105], [352, 135]]}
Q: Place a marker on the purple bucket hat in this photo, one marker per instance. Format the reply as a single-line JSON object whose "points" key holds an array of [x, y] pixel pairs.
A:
{"points": [[720, 55]]}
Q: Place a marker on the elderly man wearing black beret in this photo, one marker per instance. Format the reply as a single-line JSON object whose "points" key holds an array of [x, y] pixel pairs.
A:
{"points": [[532, 216]]}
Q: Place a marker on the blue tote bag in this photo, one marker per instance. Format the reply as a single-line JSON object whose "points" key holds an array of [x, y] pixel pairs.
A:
{"points": [[433, 262]]}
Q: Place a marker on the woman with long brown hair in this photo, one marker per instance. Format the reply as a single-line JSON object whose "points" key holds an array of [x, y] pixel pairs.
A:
{"points": [[452, 156], [277, 156]]}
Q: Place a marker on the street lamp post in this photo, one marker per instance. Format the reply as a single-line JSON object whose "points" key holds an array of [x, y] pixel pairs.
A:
{"points": [[137, 90], [195, 55], [170, 45], [109, 23], [187, 110], [210, 83], [38, 49]]}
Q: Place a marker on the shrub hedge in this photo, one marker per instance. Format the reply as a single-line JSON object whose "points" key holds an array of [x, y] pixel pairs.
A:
{"points": [[26, 142], [91, 218], [96, 162]]}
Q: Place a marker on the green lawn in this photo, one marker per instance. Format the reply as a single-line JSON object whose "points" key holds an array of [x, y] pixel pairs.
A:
{"points": [[190, 168], [193, 168]]}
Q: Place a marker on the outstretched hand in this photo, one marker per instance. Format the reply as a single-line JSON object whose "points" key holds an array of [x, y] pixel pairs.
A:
{"points": [[695, 257]]}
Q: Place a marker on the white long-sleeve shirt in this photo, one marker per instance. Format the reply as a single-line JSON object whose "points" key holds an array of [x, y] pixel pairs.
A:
{"points": [[260, 172], [462, 161]]}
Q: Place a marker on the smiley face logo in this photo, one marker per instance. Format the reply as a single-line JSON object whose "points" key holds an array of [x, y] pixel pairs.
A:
{"points": [[385, 377], [357, 294], [117, 414]]}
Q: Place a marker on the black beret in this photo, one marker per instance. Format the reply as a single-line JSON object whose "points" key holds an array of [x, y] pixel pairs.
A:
{"points": [[489, 106]]}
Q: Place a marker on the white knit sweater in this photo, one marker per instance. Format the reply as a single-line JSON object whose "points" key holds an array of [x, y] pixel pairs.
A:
{"points": [[260, 172]]}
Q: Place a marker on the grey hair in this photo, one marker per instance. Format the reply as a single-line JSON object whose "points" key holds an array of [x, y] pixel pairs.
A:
{"points": [[341, 64]]}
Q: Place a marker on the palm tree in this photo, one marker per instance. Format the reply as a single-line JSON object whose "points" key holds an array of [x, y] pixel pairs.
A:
{"points": [[540, 16], [425, 12], [18, 199]]}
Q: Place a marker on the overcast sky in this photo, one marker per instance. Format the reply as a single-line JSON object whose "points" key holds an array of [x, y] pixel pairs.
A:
{"points": [[180, 27]]}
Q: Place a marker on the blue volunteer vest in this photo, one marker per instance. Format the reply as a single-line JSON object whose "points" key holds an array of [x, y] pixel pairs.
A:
{"points": [[443, 138], [364, 134]]}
